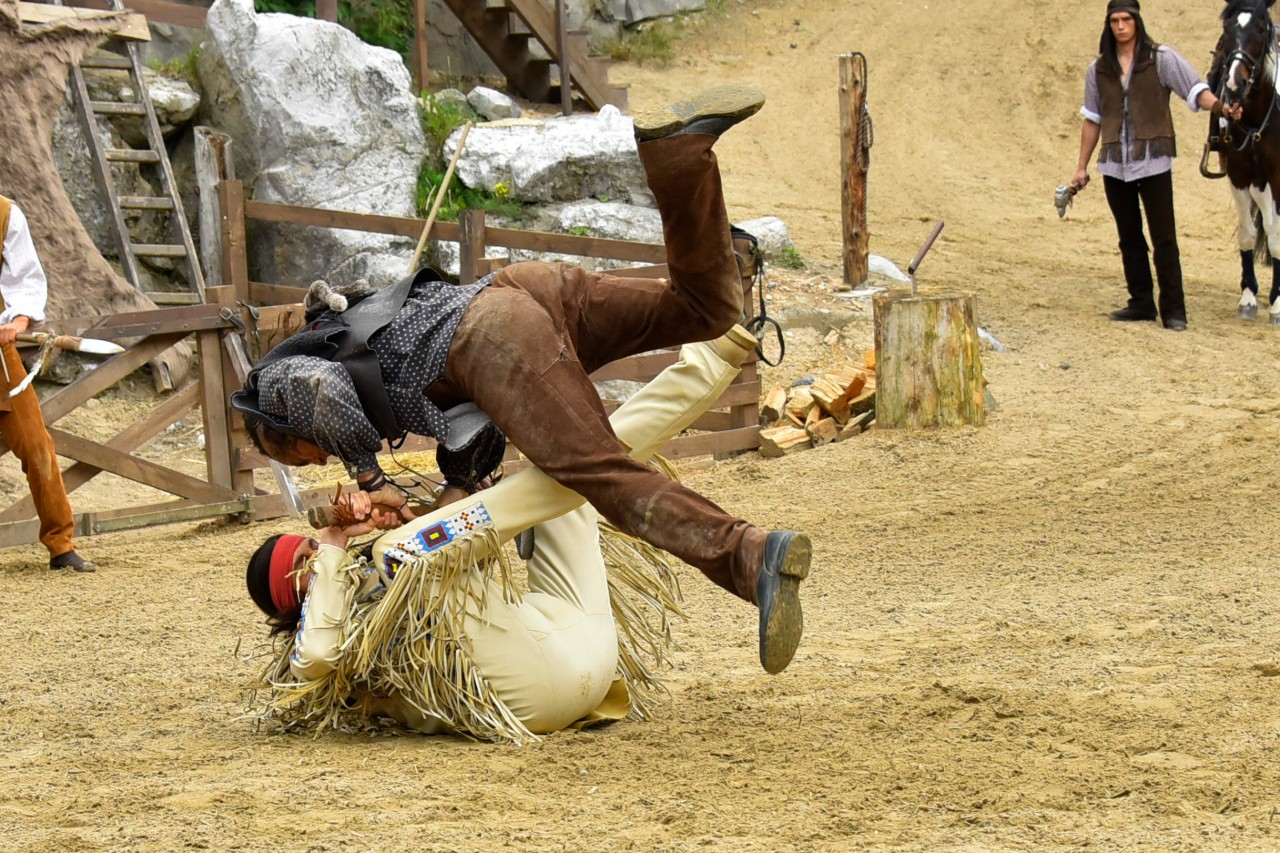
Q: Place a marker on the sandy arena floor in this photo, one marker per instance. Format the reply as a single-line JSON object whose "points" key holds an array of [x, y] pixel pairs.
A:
{"points": [[1057, 631]]}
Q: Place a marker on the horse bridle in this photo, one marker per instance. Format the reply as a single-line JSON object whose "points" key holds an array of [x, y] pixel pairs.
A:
{"points": [[1250, 65]]}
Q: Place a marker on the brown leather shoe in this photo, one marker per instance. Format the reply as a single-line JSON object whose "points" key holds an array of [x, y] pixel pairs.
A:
{"points": [[786, 563], [711, 111]]}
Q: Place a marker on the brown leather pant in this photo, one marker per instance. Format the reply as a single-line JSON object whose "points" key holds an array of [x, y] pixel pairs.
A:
{"points": [[22, 426], [527, 343]]}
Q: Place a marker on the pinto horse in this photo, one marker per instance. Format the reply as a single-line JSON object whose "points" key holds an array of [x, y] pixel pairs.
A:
{"points": [[1245, 74]]}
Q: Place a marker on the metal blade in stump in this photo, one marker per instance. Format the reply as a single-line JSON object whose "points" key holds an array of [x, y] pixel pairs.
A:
{"points": [[928, 368]]}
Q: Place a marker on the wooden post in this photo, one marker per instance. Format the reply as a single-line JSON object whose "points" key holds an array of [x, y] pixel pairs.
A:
{"points": [[562, 58], [213, 164], [327, 10], [213, 397], [854, 161], [928, 369], [420, 44], [471, 249], [235, 252]]}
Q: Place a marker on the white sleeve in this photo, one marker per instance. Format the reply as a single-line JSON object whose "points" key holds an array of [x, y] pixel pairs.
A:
{"points": [[317, 646], [22, 281]]}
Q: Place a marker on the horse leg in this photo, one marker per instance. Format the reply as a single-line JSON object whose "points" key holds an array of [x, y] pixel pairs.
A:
{"points": [[1271, 225], [1274, 311], [1247, 232]]}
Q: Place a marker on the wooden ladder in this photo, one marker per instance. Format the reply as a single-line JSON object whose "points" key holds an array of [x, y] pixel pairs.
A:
{"points": [[179, 247], [505, 30]]}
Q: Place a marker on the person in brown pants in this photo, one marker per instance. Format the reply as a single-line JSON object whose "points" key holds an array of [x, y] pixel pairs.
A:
{"points": [[23, 292], [521, 343]]}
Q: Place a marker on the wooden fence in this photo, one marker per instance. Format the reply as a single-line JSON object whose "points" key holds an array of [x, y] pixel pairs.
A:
{"points": [[263, 313]]}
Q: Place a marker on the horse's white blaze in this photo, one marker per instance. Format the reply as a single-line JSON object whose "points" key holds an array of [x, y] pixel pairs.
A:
{"points": [[1231, 75], [1245, 230], [1244, 19]]}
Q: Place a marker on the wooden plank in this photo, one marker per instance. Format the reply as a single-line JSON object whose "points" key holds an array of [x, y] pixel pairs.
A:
{"points": [[235, 257], [537, 241], [276, 294], [637, 368], [710, 443], [158, 11], [127, 440], [135, 324], [856, 236], [471, 245], [108, 373], [213, 163], [400, 226], [139, 470], [423, 69], [213, 410], [134, 26]]}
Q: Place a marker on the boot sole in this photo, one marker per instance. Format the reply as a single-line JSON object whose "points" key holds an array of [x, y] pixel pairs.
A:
{"points": [[780, 636], [734, 102]]}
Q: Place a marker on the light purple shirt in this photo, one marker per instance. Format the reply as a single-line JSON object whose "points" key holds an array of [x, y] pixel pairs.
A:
{"points": [[1176, 74], [22, 282]]}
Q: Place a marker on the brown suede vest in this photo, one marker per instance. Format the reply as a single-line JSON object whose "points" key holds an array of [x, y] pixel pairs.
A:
{"points": [[1147, 105]]}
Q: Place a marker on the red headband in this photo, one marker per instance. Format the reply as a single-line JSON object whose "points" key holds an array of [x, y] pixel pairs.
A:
{"points": [[284, 595]]}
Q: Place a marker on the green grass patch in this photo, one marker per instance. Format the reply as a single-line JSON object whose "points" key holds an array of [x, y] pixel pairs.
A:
{"points": [[186, 68], [655, 42], [791, 259]]}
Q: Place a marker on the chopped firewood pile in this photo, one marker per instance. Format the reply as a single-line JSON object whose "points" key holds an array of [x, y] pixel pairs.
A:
{"points": [[838, 404]]}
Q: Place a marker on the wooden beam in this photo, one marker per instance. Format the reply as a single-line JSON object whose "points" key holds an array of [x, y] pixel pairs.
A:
{"points": [[235, 252], [139, 470], [109, 373], [471, 245], [420, 45], [126, 441], [854, 161], [134, 26], [537, 241], [158, 11]]}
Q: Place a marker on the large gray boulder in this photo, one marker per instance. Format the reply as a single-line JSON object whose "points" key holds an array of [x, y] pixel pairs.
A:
{"points": [[558, 159], [319, 119]]}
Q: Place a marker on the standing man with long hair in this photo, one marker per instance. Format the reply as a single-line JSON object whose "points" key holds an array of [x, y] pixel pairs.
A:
{"points": [[1126, 108]]}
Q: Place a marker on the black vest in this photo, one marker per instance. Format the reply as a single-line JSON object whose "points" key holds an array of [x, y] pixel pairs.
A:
{"points": [[343, 339]]}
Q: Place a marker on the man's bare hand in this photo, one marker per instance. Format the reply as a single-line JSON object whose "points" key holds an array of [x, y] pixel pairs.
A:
{"points": [[9, 331]]}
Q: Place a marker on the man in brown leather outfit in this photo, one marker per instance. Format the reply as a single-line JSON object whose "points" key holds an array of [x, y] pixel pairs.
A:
{"points": [[521, 344]]}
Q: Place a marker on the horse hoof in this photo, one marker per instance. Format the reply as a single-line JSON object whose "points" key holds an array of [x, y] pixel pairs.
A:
{"points": [[1275, 318], [1247, 312]]}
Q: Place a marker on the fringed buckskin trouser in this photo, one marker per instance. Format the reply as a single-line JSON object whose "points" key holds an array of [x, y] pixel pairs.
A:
{"points": [[527, 343], [22, 426]]}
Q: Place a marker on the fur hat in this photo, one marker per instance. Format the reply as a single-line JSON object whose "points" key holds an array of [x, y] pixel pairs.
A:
{"points": [[321, 297]]}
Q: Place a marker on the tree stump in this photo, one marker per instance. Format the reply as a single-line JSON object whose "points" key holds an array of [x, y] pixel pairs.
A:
{"points": [[928, 370]]}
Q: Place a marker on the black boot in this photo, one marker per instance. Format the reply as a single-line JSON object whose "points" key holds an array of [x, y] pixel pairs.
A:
{"points": [[785, 564]]}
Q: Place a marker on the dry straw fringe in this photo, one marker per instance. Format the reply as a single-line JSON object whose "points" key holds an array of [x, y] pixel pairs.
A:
{"points": [[409, 642]]}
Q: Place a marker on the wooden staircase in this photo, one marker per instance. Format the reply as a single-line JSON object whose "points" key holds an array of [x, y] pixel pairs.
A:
{"points": [[179, 246], [507, 31]]}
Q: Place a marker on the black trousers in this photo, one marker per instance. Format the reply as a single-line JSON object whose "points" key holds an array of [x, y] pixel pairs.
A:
{"points": [[1127, 200]]}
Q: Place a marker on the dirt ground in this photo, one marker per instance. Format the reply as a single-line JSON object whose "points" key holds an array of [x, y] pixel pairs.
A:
{"points": [[1056, 631]]}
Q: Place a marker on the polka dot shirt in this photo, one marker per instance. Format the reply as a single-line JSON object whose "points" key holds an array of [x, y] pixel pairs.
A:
{"points": [[316, 396]]}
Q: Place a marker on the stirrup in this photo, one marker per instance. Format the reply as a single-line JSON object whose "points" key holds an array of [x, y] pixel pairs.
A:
{"points": [[1204, 165]]}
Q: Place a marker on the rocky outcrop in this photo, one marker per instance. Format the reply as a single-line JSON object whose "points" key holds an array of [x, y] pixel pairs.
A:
{"points": [[319, 119]]}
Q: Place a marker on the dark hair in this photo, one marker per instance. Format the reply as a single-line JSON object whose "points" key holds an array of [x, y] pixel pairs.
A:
{"points": [[264, 436], [258, 578], [1146, 47]]}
